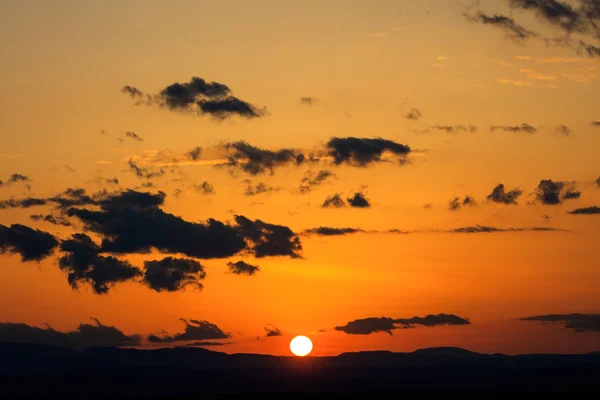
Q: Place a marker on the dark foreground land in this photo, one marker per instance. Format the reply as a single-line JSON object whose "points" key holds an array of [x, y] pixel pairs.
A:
{"points": [[54, 372]]}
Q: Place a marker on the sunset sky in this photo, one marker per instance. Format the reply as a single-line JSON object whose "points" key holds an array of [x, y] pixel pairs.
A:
{"points": [[391, 124]]}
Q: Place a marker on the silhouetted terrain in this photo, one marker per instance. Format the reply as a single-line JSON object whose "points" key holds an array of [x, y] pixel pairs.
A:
{"points": [[47, 371]]}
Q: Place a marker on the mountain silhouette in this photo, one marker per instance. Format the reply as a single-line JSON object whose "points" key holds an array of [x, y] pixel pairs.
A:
{"points": [[32, 370]]}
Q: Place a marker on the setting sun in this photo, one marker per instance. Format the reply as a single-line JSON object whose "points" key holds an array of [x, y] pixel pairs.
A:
{"points": [[301, 346]]}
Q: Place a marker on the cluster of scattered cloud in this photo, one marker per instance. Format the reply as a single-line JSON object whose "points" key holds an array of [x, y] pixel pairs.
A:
{"points": [[552, 193], [456, 203], [340, 231], [243, 268], [523, 128], [197, 96], [14, 178], [312, 180], [571, 21], [356, 200], [194, 330]]}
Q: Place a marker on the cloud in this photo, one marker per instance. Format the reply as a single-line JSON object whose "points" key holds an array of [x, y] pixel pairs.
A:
{"points": [[132, 91], [224, 108], [575, 322], [85, 336], [563, 130], [205, 344], [371, 325], [198, 96], [456, 204], [272, 331], [22, 203], [593, 210], [14, 178], [135, 224], [596, 124], [205, 188], [512, 29], [454, 129], [493, 229], [311, 180], [505, 81], [145, 173], [358, 200], [583, 19], [243, 268], [549, 192], [414, 115], [308, 101], [58, 219], [173, 274], [362, 152], [84, 263], [500, 195], [329, 231], [194, 330], [30, 244], [257, 161], [194, 154], [113, 181], [134, 136], [259, 188], [532, 74], [334, 201], [523, 128]]}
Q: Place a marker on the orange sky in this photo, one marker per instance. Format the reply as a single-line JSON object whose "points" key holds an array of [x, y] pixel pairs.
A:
{"points": [[366, 65]]}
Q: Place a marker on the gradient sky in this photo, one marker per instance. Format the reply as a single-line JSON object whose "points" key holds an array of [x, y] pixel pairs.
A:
{"points": [[366, 65]]}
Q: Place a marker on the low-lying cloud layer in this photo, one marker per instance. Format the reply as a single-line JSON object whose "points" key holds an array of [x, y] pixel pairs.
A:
{"points": [[575, 322], [367, 326], [195, 330]]}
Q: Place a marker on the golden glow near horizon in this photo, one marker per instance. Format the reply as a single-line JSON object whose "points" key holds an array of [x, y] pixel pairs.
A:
{"points": [[480, 105]]}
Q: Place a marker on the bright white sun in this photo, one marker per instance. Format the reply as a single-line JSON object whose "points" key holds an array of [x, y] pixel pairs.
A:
{"points": [[301, 346]]}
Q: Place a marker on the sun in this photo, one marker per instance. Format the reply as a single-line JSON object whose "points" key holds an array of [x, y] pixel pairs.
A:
{"points": [[301, 346]]}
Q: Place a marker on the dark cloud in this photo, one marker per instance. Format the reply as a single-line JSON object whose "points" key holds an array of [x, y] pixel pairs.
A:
{"points": [[243, 268], [113, 181], [334, 201], [173, 274], [596, 124], [205, 188], [361, 152], [576, 322], [523, 128], [598, 181], [308, 101], [414, 114], [583, 18], [134, 136], [58, 219], [428, 206], [358, 200], [453, 129], [500, 195], [85, 336], [132, 91], [147, 185], [194, 154], [15, 178], [22, 203], [198, 96], [132, 222], [508, 25], [456, 203], [367, 326], [272, 331], [224, 108], [269, 239], [549, 192], [256, 161], [145, 173], [194, 330], [563, 130], [493, 229], [593, 210], [258, 189], [30, 244], [329, 231], [84, 264], [311, 180]]}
